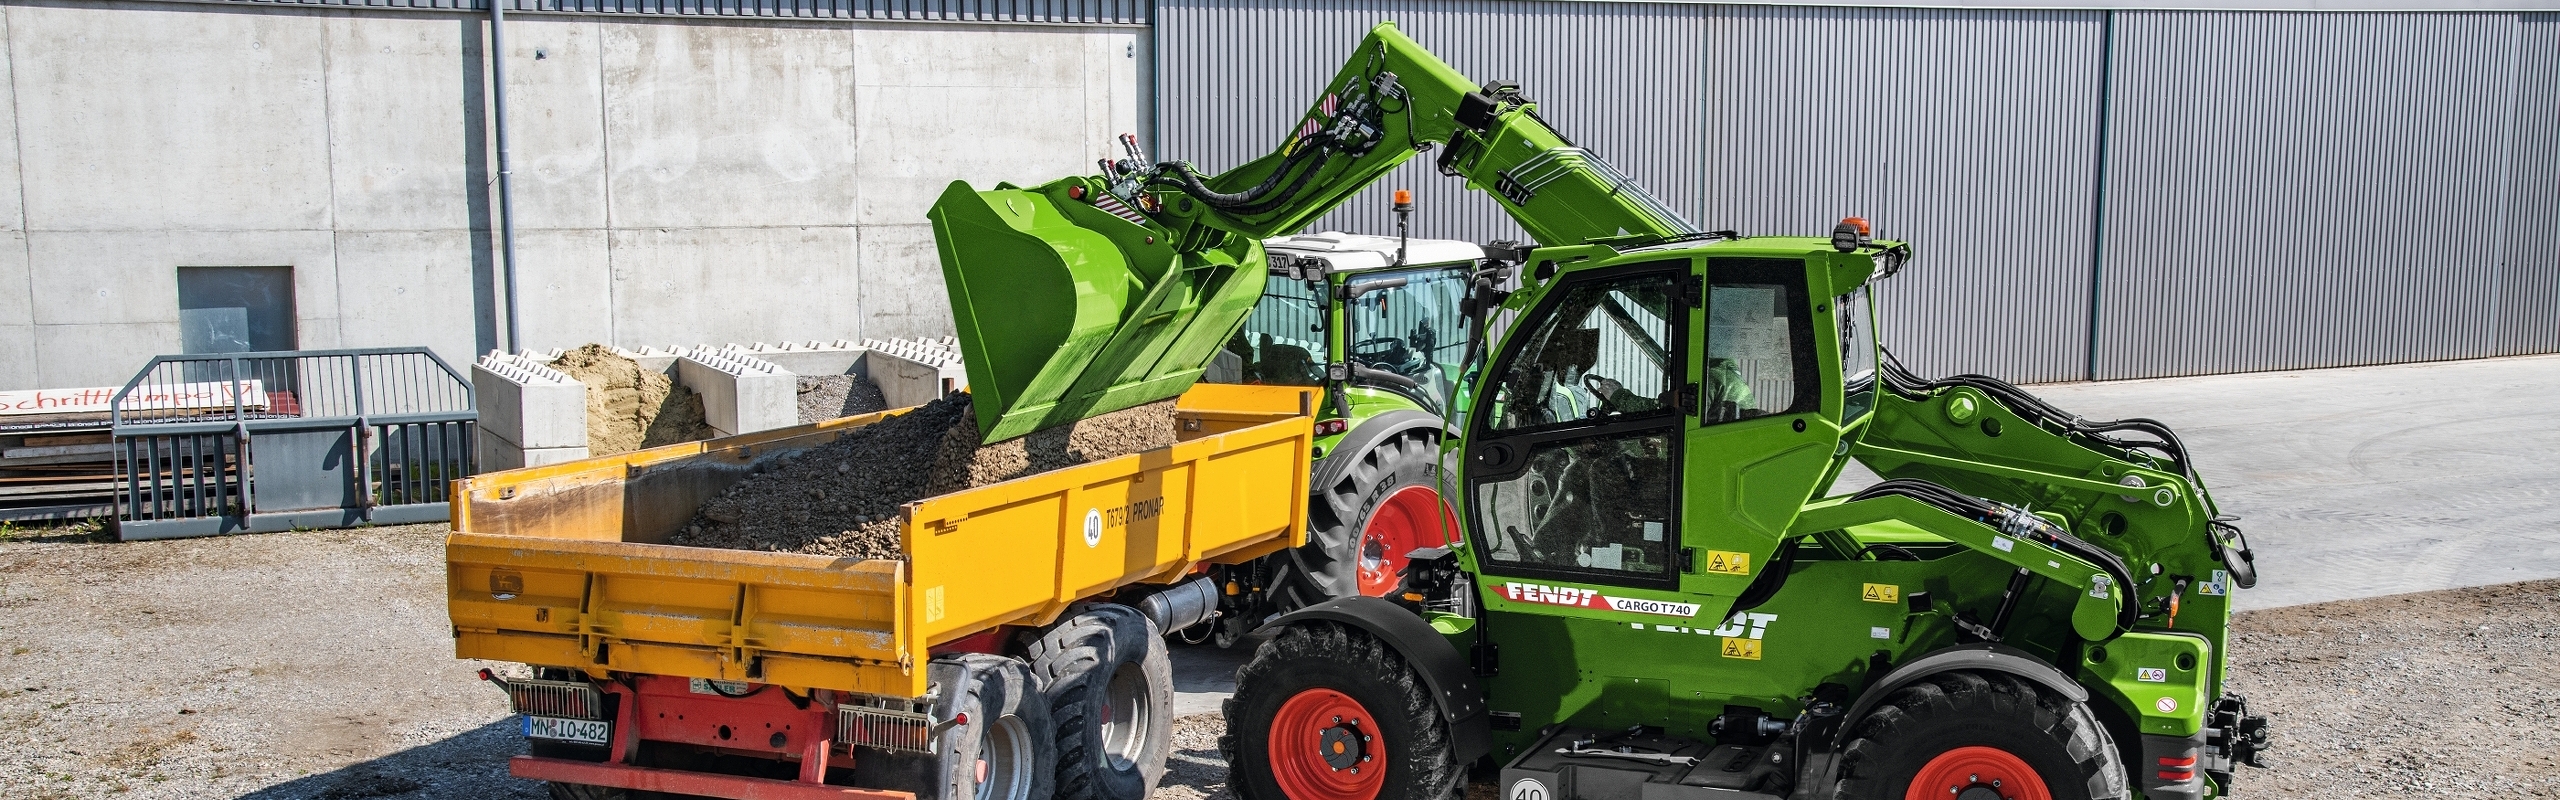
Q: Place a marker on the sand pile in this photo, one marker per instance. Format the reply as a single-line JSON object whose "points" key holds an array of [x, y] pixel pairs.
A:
{"points": [[842, 498], [826, 397], [629, 408]]}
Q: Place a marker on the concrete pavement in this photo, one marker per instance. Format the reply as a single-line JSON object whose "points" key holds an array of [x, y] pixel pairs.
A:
{"points": [[2370, 481], [2352, 482]]}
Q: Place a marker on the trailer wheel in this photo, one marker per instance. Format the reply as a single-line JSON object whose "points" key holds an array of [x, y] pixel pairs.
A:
{"points": [[1979, 736], [995, 754], [1379, 504], [1109, 683], [1327, 712]]}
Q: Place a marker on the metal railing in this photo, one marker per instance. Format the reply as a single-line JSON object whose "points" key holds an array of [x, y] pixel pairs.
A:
{"points": [[234, 442]]}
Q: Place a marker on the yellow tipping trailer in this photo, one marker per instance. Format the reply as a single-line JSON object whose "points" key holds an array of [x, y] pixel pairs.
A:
{"points": [[564, 567]]}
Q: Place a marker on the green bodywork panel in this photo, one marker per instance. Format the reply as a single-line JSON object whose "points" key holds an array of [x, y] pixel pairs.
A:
{"points": [[2161, 675]]}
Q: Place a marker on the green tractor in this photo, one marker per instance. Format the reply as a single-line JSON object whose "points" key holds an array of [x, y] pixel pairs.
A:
{"points": [[1654, 590], [1376, 323]]}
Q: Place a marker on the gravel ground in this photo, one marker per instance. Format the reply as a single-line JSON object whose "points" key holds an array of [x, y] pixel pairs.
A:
{"points": [[319, 665], [842, 498], [2440, 694], [826, 397], [271, 666]]}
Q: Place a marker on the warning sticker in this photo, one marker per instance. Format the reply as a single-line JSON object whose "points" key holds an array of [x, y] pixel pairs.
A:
{"points": [[933, 608], [2217, 586], [1881, 593], [1726, 562], [2151, 675], [1738, 647]]}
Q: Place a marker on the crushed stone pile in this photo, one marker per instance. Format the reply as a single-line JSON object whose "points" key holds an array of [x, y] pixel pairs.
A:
{"points": [[826, 397], [842, 498], [631, 408]]}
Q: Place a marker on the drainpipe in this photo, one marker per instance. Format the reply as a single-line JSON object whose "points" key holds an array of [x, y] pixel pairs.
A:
{"points": [[506, 181]]}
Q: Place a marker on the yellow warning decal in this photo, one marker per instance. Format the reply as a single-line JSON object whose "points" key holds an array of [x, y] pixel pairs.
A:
{"points": [[933, 609], [1742, 648], [1726, 562], [1881, 593]]}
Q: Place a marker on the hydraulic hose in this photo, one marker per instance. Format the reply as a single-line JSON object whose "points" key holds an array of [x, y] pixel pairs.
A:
{"points": [[2019, 523], [2164, 441]]}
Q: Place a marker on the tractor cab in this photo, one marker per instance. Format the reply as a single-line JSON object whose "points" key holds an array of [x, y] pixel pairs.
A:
{"points": [[1340, 298]]}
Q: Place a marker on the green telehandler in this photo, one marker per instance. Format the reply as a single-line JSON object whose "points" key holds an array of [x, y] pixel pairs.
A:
{"points": [[1655, 591]]}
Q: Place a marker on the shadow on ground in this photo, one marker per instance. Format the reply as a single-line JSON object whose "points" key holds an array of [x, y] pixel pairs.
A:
{"points": [[472, 764]]}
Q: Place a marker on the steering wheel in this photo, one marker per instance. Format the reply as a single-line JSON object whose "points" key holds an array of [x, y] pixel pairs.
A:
{"points": [[1601, 405], [1382, 352]]}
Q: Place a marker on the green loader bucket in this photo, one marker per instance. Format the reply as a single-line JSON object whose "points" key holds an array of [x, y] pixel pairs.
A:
{"points": [[1066, 311]]}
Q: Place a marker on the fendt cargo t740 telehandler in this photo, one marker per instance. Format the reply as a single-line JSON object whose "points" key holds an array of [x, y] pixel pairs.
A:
{"points": [[1655, 594]]}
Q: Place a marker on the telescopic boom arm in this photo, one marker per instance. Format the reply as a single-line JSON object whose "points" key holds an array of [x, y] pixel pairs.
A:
{"points": [[1090, 294]]}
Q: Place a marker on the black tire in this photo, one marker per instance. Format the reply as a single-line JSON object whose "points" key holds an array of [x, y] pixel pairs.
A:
{"points": [[1007, 726], [1412, 740], [1109, 684], [2059, 739], [1352, 485]]}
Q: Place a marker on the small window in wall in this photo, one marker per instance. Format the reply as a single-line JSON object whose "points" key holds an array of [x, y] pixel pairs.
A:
{"points": [[235, 309]]}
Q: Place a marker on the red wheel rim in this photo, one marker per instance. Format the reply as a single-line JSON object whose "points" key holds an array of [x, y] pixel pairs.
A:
{"points": [[1325, 746], [1976, 773], [1409, 519]]}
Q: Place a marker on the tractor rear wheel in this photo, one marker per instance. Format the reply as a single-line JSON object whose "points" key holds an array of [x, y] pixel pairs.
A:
{"points": [[1109, 684], [1328, 712], [1979, 736], [1372, 506]]}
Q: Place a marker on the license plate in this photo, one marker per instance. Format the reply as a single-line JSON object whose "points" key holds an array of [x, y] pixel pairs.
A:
{"points": [[569, 730]]}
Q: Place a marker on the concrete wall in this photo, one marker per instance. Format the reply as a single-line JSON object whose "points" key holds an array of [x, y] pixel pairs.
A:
{"points": [[678, 182]]}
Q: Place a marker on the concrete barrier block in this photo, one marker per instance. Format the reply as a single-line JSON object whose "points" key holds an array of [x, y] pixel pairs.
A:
{"points": [[839, 357], [529, 404], [913, 372], [740, 393], [492, 452]]}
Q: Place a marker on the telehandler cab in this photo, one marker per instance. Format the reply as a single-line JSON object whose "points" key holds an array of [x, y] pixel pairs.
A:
{"points": [[1654, 593]]}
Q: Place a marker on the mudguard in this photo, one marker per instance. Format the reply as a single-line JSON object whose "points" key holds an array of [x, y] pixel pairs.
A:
{"points": [[1967, 657], [1453, 685]]}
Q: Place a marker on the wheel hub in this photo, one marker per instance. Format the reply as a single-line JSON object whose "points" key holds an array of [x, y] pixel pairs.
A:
{"points": [[1977, 773], [1325, 746], [1339, 746], [1411, 518]]}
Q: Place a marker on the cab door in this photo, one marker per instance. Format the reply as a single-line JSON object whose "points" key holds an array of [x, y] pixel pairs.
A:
{"points": [[1573, 491]]}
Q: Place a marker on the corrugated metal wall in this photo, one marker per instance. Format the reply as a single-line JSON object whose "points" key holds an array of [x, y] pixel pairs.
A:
{"points": [[1075, 12], [2312, 190], [1617, 78], [2253, 190], [1969, 133], [1972, 134], [2529, 311]]}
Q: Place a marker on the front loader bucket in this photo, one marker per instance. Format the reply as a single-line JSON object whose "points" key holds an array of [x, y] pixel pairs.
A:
{"points": [[1065, 311]]}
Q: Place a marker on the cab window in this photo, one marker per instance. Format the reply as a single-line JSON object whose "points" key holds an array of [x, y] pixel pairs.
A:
{"points": [[1282, 342], [1760, 357], [1604, 352]]}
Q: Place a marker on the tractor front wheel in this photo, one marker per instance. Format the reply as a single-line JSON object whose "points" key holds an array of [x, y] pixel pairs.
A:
{"points": [[1328, 712], [1979, 736], [1374, 505]]}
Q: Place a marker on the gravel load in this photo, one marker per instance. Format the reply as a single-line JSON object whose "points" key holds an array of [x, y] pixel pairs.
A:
{"points": [[630, 407], [842, 498], [826, 397]]}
